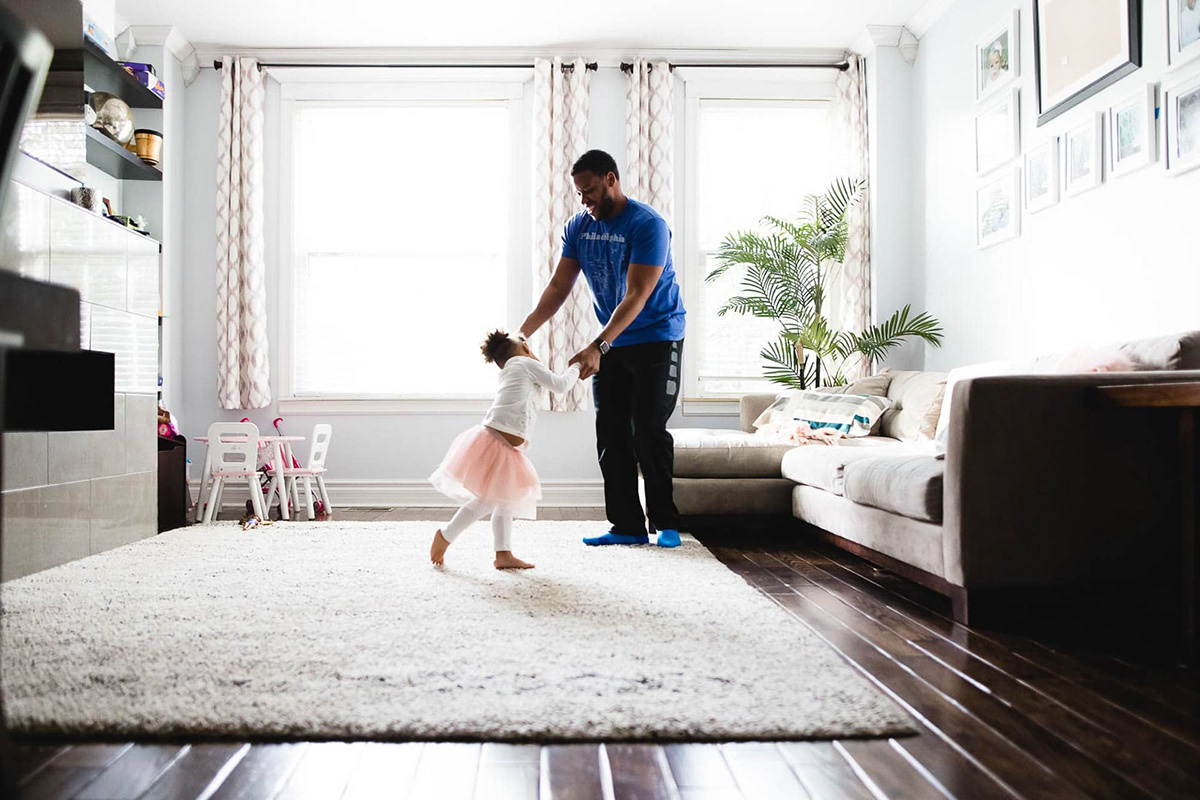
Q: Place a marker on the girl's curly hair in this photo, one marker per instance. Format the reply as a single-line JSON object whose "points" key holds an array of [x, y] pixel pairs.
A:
{"points": [[498, 347]]}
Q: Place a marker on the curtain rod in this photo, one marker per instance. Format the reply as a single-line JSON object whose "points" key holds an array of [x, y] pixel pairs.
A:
{"points": [[627, 66], [591, 66]]}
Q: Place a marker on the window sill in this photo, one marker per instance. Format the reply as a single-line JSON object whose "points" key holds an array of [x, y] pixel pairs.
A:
{"points": [[712, 407], [384, 405]]}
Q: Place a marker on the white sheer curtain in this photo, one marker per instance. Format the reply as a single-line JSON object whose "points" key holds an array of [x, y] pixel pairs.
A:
{"points": [[650, 136], [850, 115], [243, 372], [560, 123]]}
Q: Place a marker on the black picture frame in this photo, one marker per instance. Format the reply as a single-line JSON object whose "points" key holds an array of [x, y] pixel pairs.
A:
{"points": [[1133, 62]]}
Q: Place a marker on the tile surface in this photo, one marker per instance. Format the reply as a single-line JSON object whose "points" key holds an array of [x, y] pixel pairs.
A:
{"points": [[133, 339], [81, 455], [26, 460], [141, 437], [45, 527], [143, 276], [124, 509], [25, 232], [88, 253]]}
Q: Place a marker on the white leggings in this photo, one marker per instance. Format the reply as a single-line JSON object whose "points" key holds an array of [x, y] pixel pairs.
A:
{"points": [[475, 511]]}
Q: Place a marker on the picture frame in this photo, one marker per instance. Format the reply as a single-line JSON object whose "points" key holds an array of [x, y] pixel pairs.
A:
{"points": [[1081, 47], [998, 132], [1183, 31], [1181, 104], [1083, 155], [1132, 133], [998, 57], [1041, 176], [997, 209]]}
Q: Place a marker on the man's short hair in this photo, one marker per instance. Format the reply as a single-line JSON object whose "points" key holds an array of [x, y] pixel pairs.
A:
{"points": [[596, 161]]}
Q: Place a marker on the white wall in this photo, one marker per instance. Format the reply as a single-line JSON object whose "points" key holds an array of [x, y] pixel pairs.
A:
{"points": [[400, 450], [1114, 263]]}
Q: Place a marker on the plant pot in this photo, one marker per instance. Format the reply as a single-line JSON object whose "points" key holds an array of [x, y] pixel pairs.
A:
{"points": [[149, 146]]}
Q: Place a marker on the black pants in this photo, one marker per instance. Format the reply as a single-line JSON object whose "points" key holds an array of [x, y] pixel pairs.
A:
{"points": [[635, 393]]}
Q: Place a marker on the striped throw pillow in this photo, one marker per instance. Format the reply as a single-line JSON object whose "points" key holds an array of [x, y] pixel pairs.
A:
{"points": [[849, 414]]}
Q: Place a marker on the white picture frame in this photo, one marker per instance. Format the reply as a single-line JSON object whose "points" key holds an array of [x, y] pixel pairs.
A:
{"points": [[1183, 31], [998, 209], [1132, 134], [1181, 104], [998, 56], [1041, 176], [1083, 155], [998, 132]]}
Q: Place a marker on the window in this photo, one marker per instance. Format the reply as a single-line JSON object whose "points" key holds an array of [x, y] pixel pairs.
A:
{"points": [[404, 223], [752, 150]]}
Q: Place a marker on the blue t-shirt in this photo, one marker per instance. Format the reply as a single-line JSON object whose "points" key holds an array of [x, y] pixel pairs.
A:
{"points": [[606, 248]]}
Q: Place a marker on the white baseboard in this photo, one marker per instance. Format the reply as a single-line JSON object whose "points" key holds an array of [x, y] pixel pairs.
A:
{"points": [[400, 494]]}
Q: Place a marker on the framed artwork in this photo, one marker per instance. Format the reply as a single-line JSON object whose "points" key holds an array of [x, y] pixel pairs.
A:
{"points": [[1083, 149], [1041, 176], [1132, 134], [997, 57], [1182, 104], [1080, 47], [1183, 27], [997, 213], [998, 132]]}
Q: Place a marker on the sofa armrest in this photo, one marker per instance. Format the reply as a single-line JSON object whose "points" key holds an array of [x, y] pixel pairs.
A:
{"points": [[751, 406], [1049, 484]]}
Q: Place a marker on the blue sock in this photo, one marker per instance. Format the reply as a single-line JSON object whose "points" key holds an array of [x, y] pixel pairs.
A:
{"points": [[668, 538], [615, 538]]}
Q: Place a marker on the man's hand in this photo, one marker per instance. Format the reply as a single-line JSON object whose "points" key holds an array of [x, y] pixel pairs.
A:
{"points": [[589, 361]]}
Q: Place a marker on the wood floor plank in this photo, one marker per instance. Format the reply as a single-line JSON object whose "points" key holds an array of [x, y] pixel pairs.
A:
{"points": [[954, 769], [1076, 716], [201, 767], [572, 772], [72, 771], [446, 771], [323, 772], [383, 770], [133, 773], [824, 772], [700, 767], [1019, 771], [32, 757], [889, 771], [261, 772], [640, 772], [761, 771], [508, 772]]}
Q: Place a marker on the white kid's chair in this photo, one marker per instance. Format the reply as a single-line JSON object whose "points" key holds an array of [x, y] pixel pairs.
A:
{"points": [[313, 468], [233, 452]]}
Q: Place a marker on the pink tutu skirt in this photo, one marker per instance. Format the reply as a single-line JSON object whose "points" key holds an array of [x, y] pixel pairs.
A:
{"points": [[481, 465]]}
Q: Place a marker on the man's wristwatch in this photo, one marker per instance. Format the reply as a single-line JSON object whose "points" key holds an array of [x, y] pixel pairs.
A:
{"points": [[602, 346]]}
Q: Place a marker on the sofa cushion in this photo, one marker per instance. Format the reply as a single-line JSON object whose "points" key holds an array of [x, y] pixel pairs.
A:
{"points": [[1179, 351], [723, 453], [917, 401], [823, 467], [851, 415], [907, 485]]}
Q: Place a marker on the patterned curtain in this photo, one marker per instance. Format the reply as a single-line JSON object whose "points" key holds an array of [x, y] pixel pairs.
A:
{"points": [[850, 113], [560, 120], [243, 373], [650, 136]]}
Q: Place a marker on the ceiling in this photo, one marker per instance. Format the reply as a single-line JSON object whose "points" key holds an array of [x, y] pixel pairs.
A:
{"points": [[533, 24]]}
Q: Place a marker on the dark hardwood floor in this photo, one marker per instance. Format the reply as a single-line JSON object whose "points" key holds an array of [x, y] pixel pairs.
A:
{"points": [[1000, 716]]}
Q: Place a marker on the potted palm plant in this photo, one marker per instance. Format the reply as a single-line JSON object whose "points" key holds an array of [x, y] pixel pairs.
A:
{"points": [[788, 272]]}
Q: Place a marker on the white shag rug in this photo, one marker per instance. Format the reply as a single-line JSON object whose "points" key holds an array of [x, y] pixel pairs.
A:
{"points": [[345, 631]]}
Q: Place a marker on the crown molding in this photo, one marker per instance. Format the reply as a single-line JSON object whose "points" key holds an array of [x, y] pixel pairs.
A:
{"points": [[927, 15], [169, 39], [208, 52]]}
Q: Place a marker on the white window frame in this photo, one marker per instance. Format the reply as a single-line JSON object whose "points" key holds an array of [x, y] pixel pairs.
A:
{"points": [[313, 87], [733, 86]]}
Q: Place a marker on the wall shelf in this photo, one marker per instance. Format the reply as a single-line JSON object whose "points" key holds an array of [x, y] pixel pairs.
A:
{"points": [[106, 154], [102, 74]]}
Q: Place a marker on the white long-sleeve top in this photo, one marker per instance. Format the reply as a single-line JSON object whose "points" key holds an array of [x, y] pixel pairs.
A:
{"points": [[515, 408]]}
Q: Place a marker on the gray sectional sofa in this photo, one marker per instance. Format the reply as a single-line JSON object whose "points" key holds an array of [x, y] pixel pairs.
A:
{"points": [[1039, 484]]}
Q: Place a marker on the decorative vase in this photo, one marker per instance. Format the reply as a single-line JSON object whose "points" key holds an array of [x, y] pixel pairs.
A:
{"points": [[149, 146]]}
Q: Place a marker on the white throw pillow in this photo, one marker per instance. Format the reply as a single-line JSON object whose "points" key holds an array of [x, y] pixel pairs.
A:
{"points": [[849, 414]]}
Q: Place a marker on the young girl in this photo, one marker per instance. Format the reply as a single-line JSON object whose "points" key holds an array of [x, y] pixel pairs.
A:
{"points": [[486, 466]]}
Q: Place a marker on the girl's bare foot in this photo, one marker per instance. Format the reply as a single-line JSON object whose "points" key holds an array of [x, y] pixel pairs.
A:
{"points": [[437, 551], [506, 560]]}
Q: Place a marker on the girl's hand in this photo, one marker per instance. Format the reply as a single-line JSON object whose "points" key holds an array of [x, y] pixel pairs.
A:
{"points": [[588, 359]]}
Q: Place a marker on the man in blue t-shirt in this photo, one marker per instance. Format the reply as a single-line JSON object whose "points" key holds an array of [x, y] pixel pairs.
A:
{"points": [[623, 249]]}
